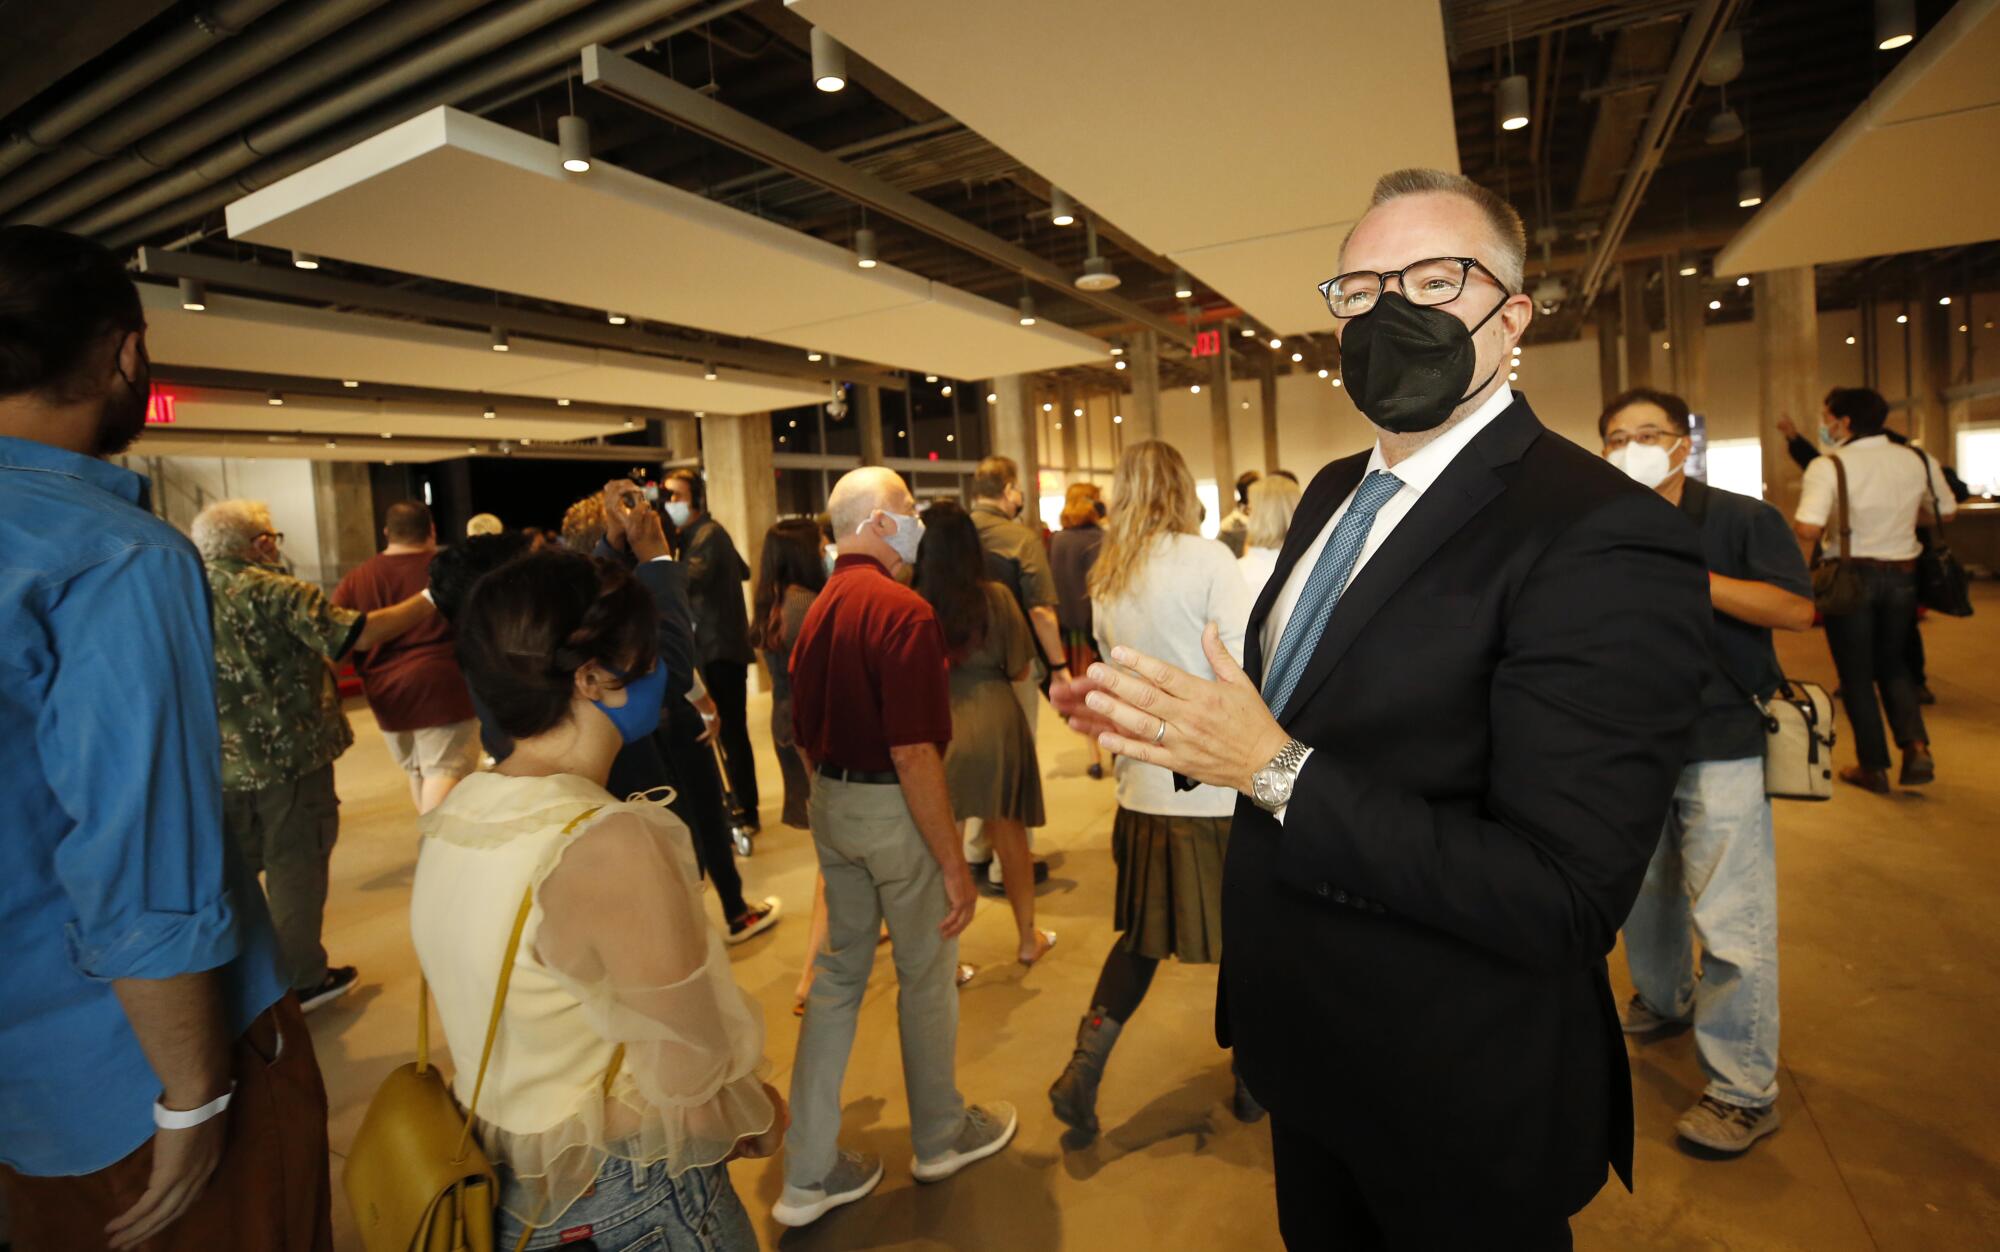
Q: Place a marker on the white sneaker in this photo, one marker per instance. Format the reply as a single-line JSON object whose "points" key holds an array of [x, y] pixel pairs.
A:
{"points": [[854, 1175], [759, 919], [987, 1129]]}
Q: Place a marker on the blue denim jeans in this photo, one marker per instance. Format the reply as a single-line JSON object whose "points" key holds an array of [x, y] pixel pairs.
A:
{"points": [[639, 1208], [1714, 878]]}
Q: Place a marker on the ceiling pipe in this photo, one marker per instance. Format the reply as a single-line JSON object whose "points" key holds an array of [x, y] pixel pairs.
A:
{"points": [[175, 131], [626, 80], [237, 61], [410, 85], [1705, 27], [204, 29], [631, 43]]}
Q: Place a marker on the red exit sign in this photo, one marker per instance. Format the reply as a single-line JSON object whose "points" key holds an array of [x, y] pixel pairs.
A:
{"points": [[1208, 343], [159, 409]]}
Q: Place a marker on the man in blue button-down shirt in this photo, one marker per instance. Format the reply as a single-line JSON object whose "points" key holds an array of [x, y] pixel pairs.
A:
{"points": [[156, 1083]]}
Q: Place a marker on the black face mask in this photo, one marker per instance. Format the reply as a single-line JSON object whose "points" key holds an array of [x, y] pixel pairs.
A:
{"points": [[124, 415], [1407, 365]]}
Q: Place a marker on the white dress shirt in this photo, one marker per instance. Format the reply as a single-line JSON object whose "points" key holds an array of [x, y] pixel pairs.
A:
{"points": [[1885, 494], [1257, 564], [1418, 471]]}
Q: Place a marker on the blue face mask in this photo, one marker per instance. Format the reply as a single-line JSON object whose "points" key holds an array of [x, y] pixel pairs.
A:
{"points": [[639, 716]]}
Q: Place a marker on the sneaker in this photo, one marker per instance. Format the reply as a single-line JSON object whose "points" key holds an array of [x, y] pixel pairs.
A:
{"points": [[337, 983], [1724, 1127], [756, 921], [854, 1175], [1640, 1020], [987, 1129]]}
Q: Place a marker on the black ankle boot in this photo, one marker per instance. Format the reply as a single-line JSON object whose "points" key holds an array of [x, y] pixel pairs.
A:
{"points": [[1074, 1094], [1243, 1104]]}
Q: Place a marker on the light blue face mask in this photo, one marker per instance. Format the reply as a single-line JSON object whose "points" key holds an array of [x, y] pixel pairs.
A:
{"points": [[831, 555], [639, 716]]}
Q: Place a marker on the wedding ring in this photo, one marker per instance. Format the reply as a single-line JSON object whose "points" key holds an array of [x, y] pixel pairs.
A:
{"points": [[1161, 734]]}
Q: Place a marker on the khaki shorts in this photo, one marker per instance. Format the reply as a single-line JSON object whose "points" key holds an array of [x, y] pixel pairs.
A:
{"points": [[436, 751]]}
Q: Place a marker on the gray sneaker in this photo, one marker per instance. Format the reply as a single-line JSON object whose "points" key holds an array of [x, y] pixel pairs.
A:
{"points": [[854, 1175], [987, 1129], [1641, 1020], [1724, 1127]]}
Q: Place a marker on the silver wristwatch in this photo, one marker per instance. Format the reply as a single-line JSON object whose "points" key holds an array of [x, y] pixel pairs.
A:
{"points": [[1271, 787]]}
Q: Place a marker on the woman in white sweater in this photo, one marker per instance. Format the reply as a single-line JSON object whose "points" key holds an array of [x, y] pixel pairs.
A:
{"points": [[625, 1071], [1155, 586]]}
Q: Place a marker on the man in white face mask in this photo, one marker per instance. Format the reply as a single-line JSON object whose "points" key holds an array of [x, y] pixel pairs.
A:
{"points": [[1714, 874]]}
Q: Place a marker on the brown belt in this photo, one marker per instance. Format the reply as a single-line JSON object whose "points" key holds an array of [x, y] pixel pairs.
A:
{"points": [[1901, 567]]}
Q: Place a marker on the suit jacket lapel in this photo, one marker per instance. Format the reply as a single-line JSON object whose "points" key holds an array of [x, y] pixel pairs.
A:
{"points": [[1332, 486], [1467, 485]]}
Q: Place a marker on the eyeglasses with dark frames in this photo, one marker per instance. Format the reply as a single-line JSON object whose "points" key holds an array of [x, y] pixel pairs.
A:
{"points": [[1434, 281]]}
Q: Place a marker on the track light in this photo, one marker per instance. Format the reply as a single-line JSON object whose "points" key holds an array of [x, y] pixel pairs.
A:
{"points": [[1749, 187], [273, 398], [1895, 23], [194, 295], [1725, 127], [1183, 286], [573, 140], [350, 382], [1689, 267], [864, 248], [1027, 310], [488, 413], [304, 260], [829, 61], [1513, 101], [815, 356], [499, 340], [564, 403], [708, 372], [1062, 210], [616, 319]]}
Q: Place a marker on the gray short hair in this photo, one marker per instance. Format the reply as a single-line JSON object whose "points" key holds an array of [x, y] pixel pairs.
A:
{"points": [[227, 528], [1510, 263]]}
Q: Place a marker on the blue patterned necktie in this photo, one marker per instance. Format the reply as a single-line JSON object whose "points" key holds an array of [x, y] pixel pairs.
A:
{"points": [[1324, 587]]}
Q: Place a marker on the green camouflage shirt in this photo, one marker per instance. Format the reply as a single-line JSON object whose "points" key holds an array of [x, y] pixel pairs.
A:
{"points": [[275, 638]]}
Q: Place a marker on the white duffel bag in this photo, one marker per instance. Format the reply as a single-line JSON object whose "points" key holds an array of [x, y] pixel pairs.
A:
{"points": [[1798, 743]]}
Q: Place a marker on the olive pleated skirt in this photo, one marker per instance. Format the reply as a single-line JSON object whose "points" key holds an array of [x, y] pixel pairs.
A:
{"points": [[1169, 898]]}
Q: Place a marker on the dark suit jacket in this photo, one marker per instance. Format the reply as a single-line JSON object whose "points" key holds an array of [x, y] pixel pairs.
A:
{"points": [[1413, 964], [716, 573]]}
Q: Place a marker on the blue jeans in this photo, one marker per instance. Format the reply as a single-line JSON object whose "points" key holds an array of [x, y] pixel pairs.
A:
{"points": [[639, 1208], [1714, 877]]}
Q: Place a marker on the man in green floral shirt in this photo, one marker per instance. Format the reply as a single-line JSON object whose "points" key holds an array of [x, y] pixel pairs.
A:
{"points": [[276, 638]]}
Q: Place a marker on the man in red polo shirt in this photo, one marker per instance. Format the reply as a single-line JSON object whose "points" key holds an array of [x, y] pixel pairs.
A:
{"points": [[412, 682], [872, 710]]}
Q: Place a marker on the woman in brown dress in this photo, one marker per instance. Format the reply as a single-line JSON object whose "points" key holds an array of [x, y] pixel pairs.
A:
{"points": [[790, 576], [990, 769]]}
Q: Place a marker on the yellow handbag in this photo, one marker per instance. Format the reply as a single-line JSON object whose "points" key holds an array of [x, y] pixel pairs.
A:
{"points": [[416, 1179]]}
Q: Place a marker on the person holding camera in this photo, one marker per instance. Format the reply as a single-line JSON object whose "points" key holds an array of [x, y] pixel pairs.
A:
{"points": [[716, 572]]}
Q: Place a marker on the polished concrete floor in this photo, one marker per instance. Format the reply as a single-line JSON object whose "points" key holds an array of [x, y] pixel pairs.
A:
{"points": [[1891, 1002]]}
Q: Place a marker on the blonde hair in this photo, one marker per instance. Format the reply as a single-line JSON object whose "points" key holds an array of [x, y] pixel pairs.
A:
{"points": [[1152, 495], [227, 528], [1273, 500], [1079, 504], [583, 524]]}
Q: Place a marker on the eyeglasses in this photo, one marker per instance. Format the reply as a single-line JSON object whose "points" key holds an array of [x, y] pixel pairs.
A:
{"points": [[1439, 280], [1645, 437], [278, 535]]}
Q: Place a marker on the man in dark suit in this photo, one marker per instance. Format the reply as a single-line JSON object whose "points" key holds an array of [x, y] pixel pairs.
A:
{"points": [[716, 573], [1467, 696]]}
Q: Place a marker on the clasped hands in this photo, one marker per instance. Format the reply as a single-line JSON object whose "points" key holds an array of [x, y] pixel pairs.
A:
{"points": [[1214, 731]]}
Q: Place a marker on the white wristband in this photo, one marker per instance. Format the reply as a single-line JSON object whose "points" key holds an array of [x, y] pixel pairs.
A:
{"points": [[187, 1119]]}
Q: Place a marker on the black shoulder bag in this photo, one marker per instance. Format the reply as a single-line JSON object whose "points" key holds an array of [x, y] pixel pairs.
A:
{"points": [[1943, 586]]}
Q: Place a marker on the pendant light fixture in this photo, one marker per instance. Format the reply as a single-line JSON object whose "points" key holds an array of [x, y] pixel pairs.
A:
{"points": [[829, 61], [573, 139], [1097, 273], [304, 260], [616, 319], [1895, 24], [864, 248], [194, 295], [1027, 307], [708, 372], [1513, 102], [1749, 187], [274, 398], [499, 340], [1689, 267], [1725, 127], [1183, 285], [1062, 210]]}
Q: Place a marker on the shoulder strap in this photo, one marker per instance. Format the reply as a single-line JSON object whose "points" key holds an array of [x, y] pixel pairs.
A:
{"points": [[1846, 517], [1930, 485]]}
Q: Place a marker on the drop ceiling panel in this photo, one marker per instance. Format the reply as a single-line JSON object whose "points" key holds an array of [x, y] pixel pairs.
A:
{"points": [[457, 197], [1195, 124], [201, 409], [952, 334], [263, 336], [286, 447], [1926, 132]]}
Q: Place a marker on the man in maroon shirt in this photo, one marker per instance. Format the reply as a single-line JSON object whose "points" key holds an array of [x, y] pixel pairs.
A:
{"points": [[412, 682], [871, 708]]}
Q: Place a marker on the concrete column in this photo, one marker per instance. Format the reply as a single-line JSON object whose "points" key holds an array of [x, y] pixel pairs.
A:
{"points": [[1223, 456], [344, 504], [867, 413], [1788, 349], [1687, 331], [1066, 405], [1930, 373], [1267, 392], [742, 484], [1638, 329], [1013, 430], [1142, 408], [682, 438], [1610, 381]]}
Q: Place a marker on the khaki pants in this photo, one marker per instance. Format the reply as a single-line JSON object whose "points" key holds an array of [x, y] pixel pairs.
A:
{"points": [[877, 869], [271, 1193], [286, 832]]}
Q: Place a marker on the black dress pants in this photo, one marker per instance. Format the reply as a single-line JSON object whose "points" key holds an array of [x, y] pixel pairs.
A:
{"points": [[1871, 650], [1321, 1206], [728, 685], [698, 802]]}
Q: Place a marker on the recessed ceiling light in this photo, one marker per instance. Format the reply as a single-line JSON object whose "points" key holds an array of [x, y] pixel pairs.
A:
{"points": [[708, 371], [1850, 341], [1902, 319], [1944, 299], [1118, 365], [1277, 342], [1322, 373], [1715, 304], [1297, 357], [1117, 419], [992, 397], [1195, 390], [1048, 408]]}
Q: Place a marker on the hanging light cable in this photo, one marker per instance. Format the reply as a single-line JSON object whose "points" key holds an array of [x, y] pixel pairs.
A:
{"points": [[1512, 99]]}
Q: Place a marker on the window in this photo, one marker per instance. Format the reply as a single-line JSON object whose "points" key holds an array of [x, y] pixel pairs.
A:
{"points": [[1979, 459], [1737, 465], [1211, 508]]}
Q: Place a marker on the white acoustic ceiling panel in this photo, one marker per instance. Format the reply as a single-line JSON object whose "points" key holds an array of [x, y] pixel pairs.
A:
{"points": [[1240, 140], [263, 336], [284, 447], [207, 410], [1913, 168], [454, 196]]}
